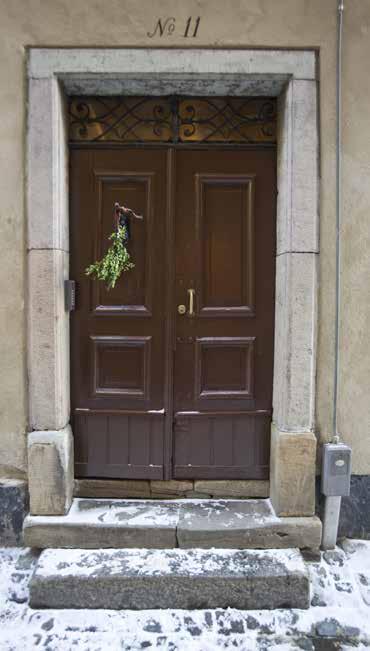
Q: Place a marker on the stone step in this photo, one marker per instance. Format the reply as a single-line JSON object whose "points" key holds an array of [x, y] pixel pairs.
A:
{"points": [[138, 579], [233, 524]]}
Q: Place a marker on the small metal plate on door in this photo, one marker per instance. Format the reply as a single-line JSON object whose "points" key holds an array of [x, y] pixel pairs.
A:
{"points": [[181, 309], [70, 295]]}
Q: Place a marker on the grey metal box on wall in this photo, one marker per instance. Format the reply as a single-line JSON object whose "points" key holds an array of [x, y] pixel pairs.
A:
{"points": [[336, 469]]}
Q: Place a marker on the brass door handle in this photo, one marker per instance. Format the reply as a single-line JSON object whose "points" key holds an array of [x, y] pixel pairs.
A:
{"points": [[191, 293]]}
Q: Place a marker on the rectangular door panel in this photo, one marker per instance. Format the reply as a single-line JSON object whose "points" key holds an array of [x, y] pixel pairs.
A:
{"points": [[121, 366], [225, 244], [132, 295], [222, 446], [118, 446], [224, 368]]}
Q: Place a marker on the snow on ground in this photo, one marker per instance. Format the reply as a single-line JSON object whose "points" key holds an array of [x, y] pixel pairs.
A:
{"points": [[339, 617]]}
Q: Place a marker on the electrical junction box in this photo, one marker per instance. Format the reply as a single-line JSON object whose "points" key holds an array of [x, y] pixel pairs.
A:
{"points": [[336, 469]]}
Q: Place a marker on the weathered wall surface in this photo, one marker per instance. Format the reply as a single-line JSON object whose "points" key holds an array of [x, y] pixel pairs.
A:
{"points": [[241, 23]]}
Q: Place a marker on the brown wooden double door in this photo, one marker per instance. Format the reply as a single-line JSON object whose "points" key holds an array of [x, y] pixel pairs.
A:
{"points": [[157, 393]]}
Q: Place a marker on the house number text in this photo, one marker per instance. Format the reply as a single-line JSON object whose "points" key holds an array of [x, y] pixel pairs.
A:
{"points": [[167, 27]]}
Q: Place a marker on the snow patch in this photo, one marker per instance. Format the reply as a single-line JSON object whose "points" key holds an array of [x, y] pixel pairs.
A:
{"points": [[23, 629]]}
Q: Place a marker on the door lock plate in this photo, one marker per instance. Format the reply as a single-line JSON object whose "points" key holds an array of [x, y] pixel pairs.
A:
{"points": [[181, 309]]}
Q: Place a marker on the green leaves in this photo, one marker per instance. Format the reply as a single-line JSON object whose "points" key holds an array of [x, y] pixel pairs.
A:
{"points": [[115, 262]]}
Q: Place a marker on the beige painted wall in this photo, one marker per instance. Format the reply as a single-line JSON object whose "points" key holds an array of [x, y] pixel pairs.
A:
{"points": [[241, 23]]}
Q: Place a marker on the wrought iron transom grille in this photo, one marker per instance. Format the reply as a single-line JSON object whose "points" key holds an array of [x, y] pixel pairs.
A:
{"points": [[172, 119]]}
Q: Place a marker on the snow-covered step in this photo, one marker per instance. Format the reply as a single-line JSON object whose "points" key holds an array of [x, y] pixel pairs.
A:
{"points": [[173, 578], [162, 524]]}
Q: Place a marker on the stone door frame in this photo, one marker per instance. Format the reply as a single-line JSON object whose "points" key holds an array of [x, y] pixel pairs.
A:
{"points": [[289, 75]]}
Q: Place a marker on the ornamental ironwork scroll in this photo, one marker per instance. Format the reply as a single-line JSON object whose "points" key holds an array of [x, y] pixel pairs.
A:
{"points": [[172, 119]]}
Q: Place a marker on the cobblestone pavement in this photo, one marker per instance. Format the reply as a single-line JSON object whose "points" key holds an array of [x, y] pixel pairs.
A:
{"points": [[339, 617]]}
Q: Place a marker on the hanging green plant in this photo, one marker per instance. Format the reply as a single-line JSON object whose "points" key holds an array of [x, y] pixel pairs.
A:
{"points": [[117, 259], [115, 262]]}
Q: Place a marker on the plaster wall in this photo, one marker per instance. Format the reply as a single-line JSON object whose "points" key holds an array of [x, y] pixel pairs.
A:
{"points": [[252, 23]]}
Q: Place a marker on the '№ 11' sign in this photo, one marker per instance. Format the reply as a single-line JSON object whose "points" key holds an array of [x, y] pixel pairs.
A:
{"points": [[168, 26]]}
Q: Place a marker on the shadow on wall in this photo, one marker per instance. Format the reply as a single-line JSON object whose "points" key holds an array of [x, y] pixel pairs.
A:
{"points": [[13, 510], [354, 521]]}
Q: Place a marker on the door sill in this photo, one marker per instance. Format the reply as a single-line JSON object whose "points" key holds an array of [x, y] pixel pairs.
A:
{"points": [[171, 489]]}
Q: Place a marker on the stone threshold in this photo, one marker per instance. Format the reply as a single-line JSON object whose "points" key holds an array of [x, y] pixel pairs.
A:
{"points": [[184, 523], [172, 488]]}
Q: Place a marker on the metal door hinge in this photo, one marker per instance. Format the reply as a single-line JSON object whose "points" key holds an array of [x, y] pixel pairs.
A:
{"points": [[70, 295]]}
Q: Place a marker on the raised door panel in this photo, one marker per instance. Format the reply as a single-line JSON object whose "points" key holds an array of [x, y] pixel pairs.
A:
{"points": [[121, 366], [132, 295], [224, 368], [225, 239]]}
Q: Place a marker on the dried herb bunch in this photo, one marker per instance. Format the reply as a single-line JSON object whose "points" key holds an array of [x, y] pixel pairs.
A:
{"points": [[115, 262]]}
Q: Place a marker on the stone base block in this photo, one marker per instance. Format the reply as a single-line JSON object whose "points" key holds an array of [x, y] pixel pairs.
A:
{"points": [[51, 471], [176, 578], [13, 510], [293, 468]]}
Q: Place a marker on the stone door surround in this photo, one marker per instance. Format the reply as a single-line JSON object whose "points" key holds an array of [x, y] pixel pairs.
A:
{"points": [[289, 75]]}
